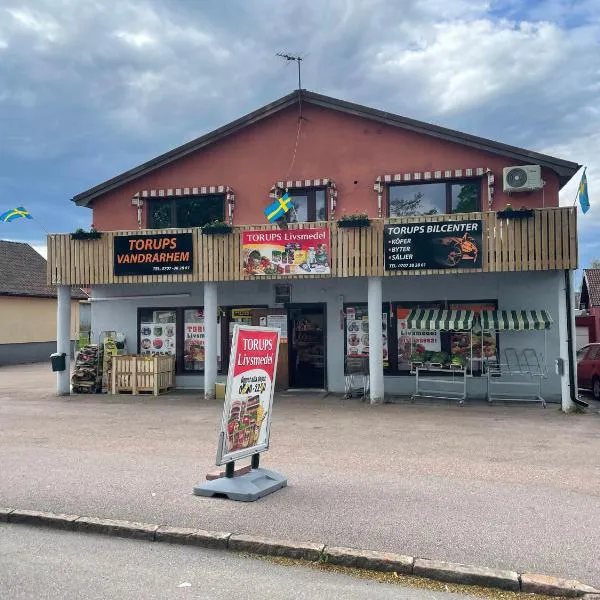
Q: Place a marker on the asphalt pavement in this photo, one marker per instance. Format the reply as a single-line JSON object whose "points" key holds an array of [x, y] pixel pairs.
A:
{"points": [[514, 487], [44, 563]]}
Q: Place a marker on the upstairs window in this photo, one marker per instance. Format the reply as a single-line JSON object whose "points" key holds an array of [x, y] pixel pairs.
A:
{"points": [[185, 211], [436, 198], [309, 205]]}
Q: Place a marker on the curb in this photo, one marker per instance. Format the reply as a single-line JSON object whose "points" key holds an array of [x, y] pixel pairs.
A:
{"points": [[313, 552]]}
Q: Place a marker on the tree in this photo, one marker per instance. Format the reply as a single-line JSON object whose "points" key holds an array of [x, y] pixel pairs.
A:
{"points": [[595, 263], [467, 198], [409, 207]]}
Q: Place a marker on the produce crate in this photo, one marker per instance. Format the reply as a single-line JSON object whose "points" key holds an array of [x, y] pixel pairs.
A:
{"points": [[143, 374]]}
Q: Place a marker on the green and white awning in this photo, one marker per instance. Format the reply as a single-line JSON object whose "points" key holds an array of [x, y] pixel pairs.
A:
{"points": [[515, 320], [424, 319]]}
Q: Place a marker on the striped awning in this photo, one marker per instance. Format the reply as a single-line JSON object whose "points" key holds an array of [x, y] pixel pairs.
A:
{"points": [[515, 320], [424, 319]]}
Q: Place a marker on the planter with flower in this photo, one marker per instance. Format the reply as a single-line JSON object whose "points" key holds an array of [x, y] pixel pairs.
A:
{"points": [[216, 228], [508, 212], [354, 220], [82, 234]]}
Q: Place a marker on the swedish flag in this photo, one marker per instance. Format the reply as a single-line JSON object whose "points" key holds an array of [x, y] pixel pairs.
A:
{"points": [[278, 208], [15, 213], [584, 199]]}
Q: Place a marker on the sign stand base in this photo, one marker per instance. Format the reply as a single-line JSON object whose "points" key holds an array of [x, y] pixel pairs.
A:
{"points": [[243, 488]]}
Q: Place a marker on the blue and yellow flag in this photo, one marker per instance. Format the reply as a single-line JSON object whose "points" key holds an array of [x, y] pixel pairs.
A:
{"points": [[278, 208], [15, 213], [584, 200]]}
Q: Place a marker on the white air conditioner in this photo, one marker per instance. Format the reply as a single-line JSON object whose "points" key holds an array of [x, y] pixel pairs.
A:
{"points": [[524, 178]]}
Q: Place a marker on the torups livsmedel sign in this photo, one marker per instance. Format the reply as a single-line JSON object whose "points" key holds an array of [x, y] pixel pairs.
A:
{"points": [[157, 254]]}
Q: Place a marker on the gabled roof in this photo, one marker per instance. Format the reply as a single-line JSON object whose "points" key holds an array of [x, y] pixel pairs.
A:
{"points": [[563, 168], [590, 290], [23, 272]]}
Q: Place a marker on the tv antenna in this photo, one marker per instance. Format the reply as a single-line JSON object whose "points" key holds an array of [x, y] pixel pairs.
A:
{"points": [[298, 59]]}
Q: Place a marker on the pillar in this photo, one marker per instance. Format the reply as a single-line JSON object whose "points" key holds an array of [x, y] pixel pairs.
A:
{"points": [[210, 339], [566, 313], [63, 338], [374, 299]]}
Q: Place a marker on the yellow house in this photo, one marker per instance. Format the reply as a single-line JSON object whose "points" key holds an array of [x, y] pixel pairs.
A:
{"points": [[28, 306]]}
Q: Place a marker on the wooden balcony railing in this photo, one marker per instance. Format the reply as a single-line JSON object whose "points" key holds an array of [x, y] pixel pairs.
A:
{"points": [[545, 241]]}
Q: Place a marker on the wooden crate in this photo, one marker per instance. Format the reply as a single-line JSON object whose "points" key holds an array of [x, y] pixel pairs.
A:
{"points": [[143, 374]]}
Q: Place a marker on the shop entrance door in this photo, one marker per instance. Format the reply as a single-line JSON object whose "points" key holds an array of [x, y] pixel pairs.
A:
{"points": [[307, 352]]}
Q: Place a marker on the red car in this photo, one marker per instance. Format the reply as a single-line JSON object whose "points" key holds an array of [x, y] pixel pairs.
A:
{"points": [[588, 369]]}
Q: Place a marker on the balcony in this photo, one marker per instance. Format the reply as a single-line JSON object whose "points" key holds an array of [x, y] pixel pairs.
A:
{"points": [[546, 240]]}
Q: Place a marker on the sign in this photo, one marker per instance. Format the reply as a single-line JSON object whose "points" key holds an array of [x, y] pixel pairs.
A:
{"points": [[194, 342], [486, 342], [286, 252], [159, 254], [441, 245], [246, 421], [157, 338], [410, 341], [279, 322], [357, 333]]}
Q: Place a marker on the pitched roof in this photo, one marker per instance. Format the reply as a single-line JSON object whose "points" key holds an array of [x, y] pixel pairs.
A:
{"points": [[591, 285], [23, 272], [563, 168]]}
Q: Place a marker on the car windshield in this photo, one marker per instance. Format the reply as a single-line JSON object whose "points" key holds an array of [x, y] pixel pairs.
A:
{"points": [[581, 352]]}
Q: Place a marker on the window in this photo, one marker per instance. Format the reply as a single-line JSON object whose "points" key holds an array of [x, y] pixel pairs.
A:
{"points": [[308, 205], [185, 211], [434, 198], [178, 332]]}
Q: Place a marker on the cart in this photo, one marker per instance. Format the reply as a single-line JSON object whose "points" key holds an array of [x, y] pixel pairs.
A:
{"points": [[435, 380], [356, 379], [521, 372]]}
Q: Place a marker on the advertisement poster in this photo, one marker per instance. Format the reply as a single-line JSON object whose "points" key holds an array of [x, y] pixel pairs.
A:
{"points": [[410, 341], [443, 245], [158, 254], [157, 337], [482, 341], [279, 322], [194, 345], [286, 252], [357, 333], [249, 397]]}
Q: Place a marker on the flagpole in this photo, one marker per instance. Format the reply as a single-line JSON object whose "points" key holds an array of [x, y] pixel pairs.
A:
{"points": [[577, 194]]}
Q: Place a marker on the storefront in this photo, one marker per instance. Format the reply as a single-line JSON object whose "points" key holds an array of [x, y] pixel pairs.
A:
{"points": [[343, 259]]}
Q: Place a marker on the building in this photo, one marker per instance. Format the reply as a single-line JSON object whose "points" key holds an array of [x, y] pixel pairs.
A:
{"points": [[588, 319], [445, 233], [28, 306]]}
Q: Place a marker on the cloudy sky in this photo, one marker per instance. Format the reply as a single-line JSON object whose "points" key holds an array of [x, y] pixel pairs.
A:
{"points": [[90, 88]]}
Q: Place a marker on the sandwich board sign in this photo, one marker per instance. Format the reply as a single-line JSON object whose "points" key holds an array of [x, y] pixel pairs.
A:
{"points": [[246, 419]]}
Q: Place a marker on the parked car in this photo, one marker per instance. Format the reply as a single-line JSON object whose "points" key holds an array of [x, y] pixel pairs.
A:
{"points": [[588, 369]]}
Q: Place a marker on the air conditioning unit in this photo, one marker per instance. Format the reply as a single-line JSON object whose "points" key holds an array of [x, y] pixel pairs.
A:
{"points": [[524, 178]]}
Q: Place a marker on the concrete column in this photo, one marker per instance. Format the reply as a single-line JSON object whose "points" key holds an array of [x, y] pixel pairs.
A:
{"points": [[63, 338], [374, 298], [210, 339], [567, 404]]}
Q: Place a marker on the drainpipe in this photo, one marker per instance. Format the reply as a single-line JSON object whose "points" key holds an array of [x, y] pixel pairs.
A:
{"points": [[569, 295]]}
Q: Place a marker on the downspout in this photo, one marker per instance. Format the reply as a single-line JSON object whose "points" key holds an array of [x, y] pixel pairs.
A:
{"points": [[571, 349]]}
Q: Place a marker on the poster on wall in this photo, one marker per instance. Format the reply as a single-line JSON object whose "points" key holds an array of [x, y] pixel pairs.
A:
{"points": [[410, 341], [246, 420], [357, 333], [194, 341], [484, 342], [157, 254], [279, 322], [158, 337], [286, 252], [443, 245]]}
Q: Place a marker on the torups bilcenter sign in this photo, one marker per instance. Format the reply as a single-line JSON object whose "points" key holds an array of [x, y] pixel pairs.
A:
{"points": [[441, 245], [159, 254]]}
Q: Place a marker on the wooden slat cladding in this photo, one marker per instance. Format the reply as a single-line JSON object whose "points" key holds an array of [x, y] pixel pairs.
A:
{"points": [[545, 241]]}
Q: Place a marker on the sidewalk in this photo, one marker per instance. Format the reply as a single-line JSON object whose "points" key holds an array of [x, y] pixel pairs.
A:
{"points": [[507, 487]]}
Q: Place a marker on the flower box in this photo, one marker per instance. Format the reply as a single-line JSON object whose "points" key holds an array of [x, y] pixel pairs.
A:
{"points": [[516, 214], [216, 228], [86, 235], [356, 222]]}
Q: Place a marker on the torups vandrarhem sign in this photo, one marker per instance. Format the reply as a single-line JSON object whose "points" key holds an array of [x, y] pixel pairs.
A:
{"points": [[438, 245], [158, 254]]}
